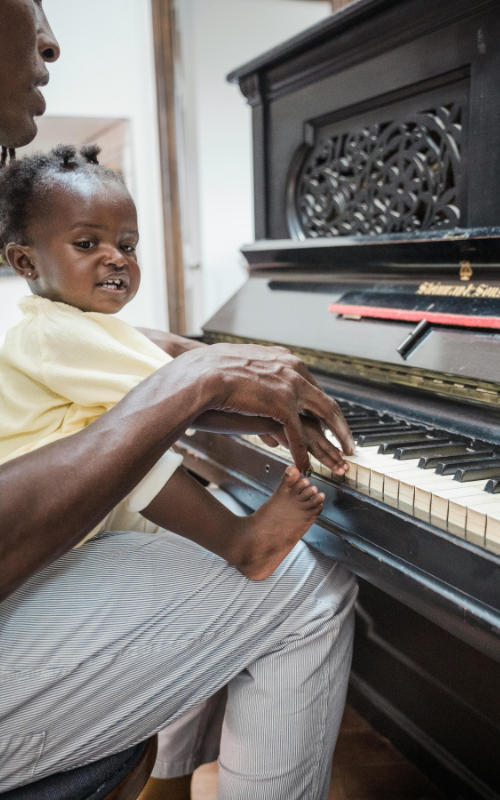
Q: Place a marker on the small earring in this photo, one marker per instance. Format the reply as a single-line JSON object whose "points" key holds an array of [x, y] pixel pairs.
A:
{"points": [[29, 273]]}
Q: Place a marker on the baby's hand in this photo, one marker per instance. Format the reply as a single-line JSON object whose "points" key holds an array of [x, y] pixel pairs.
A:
{"points": [[317, 444]]}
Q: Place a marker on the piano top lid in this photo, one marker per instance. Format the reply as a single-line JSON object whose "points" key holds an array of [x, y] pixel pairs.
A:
{"points": [[353, 16], [479, 248], [344, 18]]}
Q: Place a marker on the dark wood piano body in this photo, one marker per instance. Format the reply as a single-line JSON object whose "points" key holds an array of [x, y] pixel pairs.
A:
{"points": [[377, 168]]}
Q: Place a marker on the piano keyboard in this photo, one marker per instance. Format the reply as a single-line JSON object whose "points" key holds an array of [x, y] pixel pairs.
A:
{"points": [[438, 477]]}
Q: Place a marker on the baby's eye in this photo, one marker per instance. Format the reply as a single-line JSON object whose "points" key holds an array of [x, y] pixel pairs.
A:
{"points": [[128, 248], [85, 244]]}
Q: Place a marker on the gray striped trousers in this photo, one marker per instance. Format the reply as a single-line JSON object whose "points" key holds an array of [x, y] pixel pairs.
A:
{"points": [[131, 632]]}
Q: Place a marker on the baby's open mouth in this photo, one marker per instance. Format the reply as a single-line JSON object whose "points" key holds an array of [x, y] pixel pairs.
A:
{"points": [[114, 284]]}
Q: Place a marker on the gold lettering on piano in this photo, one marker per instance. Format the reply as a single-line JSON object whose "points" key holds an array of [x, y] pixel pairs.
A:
{"points": [[465, 271], [459, 290]]}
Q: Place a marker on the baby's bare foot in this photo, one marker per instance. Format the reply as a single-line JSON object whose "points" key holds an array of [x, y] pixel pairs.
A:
{"points": [[277, 526]]}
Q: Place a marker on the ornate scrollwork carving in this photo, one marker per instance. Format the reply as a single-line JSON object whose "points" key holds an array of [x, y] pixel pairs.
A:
{"points": [[384, 178]]}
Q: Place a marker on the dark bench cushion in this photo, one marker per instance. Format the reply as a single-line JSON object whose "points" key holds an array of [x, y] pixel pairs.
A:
{"points": [[91, 782]]}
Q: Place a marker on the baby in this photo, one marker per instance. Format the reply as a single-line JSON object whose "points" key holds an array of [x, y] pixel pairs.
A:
{"points": [[69, 227]]}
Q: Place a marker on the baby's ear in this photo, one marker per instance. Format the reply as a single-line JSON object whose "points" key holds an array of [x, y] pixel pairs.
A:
{"points": [[20, 259]]}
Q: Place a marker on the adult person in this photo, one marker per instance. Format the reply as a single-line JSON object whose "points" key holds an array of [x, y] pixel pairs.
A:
{"points": [[104, 645]]}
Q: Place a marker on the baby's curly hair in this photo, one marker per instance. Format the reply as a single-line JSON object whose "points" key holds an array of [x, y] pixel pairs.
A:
{"points": [[23, 184]]}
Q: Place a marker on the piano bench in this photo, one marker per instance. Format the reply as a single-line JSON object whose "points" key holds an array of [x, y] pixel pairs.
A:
{"points": [[122, 776]]}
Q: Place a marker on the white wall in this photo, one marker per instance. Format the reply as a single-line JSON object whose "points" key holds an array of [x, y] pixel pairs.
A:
{"points": [[106, 69], [217, 36]]}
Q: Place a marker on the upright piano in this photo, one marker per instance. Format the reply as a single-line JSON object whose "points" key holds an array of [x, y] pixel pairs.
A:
{"points": [[376, 140]]}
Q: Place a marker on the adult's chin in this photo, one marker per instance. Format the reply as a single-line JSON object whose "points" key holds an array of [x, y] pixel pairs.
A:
{"points": [[17, 131]]}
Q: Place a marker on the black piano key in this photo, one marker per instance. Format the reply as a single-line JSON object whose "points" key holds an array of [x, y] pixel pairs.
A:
{"points": [[391, 446], [430, 449], [431, 462], [361, 423], [372, 439], [390, 441], [355, 415], [365, 430], [493, 486], [473, 473], [364, 423], [450, 467]]}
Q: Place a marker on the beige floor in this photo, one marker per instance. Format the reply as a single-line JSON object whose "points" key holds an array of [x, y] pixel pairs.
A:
{"points": [[365, 767]]}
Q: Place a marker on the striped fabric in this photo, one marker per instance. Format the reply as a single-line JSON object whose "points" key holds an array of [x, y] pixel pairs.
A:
{"points": [[131, 631]]}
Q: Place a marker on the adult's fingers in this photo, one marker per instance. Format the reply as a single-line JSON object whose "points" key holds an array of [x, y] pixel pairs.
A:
{"points": [[297, 444], [269, 439], [329, 456], [328, 411], [270, 381]]}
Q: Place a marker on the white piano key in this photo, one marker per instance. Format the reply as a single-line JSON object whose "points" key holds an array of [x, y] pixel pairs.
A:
{"points": [[433, 496], [458, 513], [391, 469], [364, 472], [333, 439], [414, 478], [422, 500], [477, 513], [401, 485], [492, 538], [325, 472], [363, 457], [429, 484], [315, 464], [441, 496], [372, 474], [461, 508]]}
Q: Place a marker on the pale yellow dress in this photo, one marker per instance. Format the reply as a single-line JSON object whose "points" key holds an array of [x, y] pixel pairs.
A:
{"points": [[60, 369]]}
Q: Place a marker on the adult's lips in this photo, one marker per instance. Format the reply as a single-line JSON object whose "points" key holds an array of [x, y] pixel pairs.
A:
{"points": [[42, 80]]}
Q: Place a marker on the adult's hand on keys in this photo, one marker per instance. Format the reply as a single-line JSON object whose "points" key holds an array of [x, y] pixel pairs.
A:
{"points": [[317, 444], [271, 382]]}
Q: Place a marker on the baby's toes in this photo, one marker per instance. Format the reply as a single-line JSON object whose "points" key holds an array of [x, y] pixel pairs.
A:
{"points": [[304, 485], [315, 500], [307, 493], [291, 478]]}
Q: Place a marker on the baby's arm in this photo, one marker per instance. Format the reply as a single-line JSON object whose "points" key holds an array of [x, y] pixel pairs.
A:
{"points": [[255, 545]]}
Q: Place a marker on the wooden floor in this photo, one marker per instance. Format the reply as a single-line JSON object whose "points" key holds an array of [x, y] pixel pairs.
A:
{"points": [[365, 767]]}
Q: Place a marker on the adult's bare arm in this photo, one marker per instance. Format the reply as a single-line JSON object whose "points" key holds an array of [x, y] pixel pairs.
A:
{"points": [[51, 498], [171, 343]]}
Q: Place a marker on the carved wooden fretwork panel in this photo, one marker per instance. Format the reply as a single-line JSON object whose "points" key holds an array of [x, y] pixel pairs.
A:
{"points": [[392, 177]]}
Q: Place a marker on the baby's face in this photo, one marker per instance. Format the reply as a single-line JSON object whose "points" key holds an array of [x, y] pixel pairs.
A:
{"points": [[83, 245]]}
